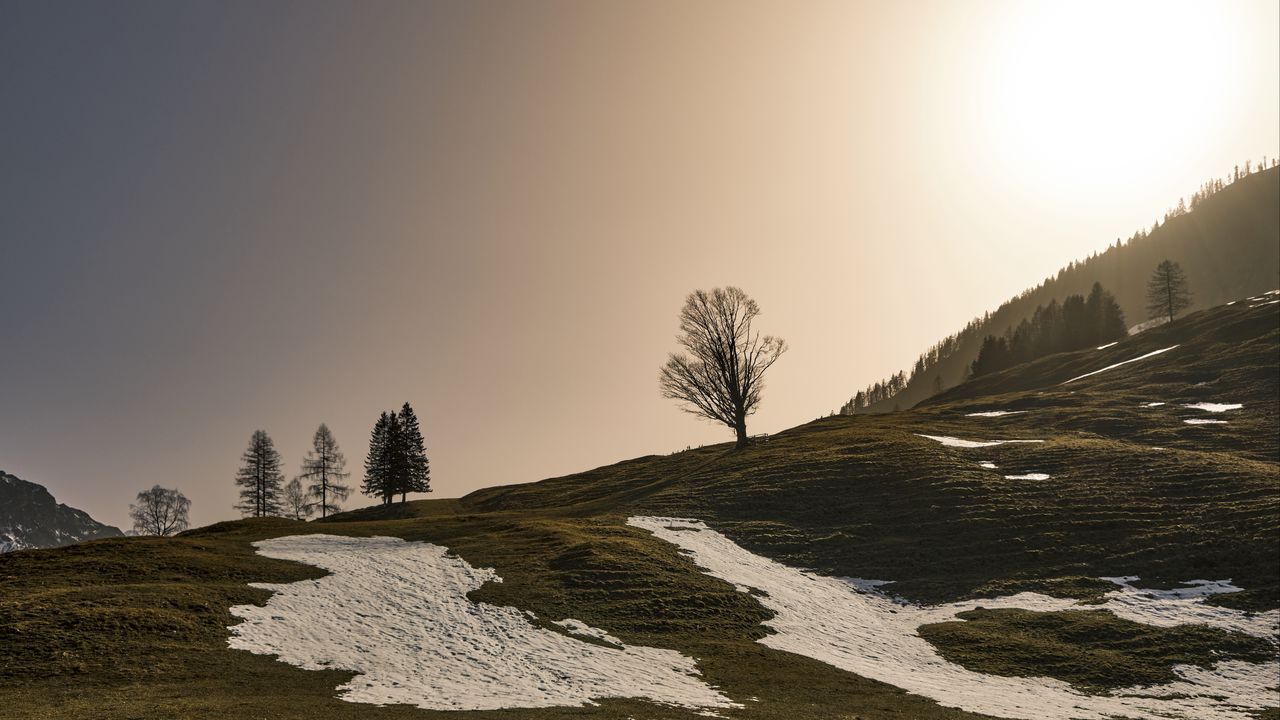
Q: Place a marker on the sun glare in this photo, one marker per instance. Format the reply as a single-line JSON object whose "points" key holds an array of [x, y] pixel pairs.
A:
{"points": [[1092, 92]]}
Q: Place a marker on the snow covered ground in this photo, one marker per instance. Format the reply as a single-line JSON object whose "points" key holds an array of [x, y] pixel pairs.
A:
{"points": [[994, 413], [1153, 353], [957, 442], [1204, 421], [1214, 407], [1110, 344], [1029, 476], [849, 625], [396, 613]]}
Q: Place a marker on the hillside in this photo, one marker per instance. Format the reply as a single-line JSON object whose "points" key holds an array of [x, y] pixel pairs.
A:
{"points": [[1229, 245], [31, 518], [1117, 487]]}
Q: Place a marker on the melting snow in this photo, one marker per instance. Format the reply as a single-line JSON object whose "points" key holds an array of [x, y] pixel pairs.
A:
{"points": [[994, 413], [1110, 344], [957, 442], [1028, 476], [1152, 404], [1124, 362], [987, 464], [1214, 407], [838, 623], [1202, 421], [397, 613]]}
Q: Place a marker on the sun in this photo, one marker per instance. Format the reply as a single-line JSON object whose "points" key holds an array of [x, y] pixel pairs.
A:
{"points": [[1092, 92]]}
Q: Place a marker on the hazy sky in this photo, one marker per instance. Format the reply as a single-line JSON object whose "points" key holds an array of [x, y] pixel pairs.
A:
{"points": [[217, 217]]}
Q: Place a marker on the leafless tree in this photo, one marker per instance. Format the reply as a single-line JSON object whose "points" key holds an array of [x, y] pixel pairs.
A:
{"points": [[297, 503], [324, 468], [159, 511], [721, 375]]}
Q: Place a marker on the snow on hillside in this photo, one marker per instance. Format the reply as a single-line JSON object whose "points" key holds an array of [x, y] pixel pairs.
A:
{"points": [[1153, 353], [31, 518], [397, 613], [957, 442], [838, 622]]}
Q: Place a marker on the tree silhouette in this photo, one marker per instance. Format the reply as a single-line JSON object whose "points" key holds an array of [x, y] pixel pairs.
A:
{"points": [[324, 468], [159, 511], [379, 463], [1167, 292], [418, 468], [260, 478], [722, 374], [297, 504]]}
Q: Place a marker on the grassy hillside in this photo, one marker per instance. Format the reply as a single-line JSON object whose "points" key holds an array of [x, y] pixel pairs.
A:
{"points": [[1229, 246], [135, 628]]}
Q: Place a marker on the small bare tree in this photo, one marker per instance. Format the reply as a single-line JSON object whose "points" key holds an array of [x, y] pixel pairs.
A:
{"points": [[297, 501], [1167, 292], [721, 376], [159, 511], [325, 468]]}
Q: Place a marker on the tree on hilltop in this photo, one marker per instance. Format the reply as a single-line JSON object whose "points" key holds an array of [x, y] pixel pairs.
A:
{"points": [[325, 468], [721, 375], [159, 511], [397, 460], [260, 478]]}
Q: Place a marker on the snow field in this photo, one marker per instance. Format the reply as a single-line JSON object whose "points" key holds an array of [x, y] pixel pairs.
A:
{"points": [[396, 613], [840, 623], [1153, 353], [957, 442]]}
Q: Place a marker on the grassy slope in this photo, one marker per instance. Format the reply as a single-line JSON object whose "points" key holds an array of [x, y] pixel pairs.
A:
{"points": [[135, 627]]}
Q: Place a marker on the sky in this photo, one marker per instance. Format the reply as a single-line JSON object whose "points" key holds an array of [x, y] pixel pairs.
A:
{"points": [[217, 217]]}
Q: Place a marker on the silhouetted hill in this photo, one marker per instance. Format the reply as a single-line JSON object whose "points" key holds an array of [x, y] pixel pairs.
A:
{"points": [[1228, 244], [31, 518]]}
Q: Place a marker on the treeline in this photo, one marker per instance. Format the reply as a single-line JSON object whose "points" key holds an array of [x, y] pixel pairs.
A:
{"points": [[1227, 236], [396, 465], [1075, 324]]}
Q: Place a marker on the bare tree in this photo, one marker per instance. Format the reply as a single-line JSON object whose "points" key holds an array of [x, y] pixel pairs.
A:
{"points": [[297, 504], [325, 468], [159, 511], [1167, 292], [721, 376]]}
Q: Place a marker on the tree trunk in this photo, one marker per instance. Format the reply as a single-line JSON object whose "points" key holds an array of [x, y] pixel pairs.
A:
{"points": [[741, 429]]}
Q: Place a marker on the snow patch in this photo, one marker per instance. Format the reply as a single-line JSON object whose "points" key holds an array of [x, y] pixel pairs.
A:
{"points": [[1152, 404], [1029, 476], [1144, 326], [1203, 421], [1214, 407], [994, 413], [1110, 344], [397, 613], [957, 442], [1124, 362], [831, 620], [987, 464]]}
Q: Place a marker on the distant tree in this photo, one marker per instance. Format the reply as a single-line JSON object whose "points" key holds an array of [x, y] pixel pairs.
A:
{"points": [[722, 374], [418, 468], [324, 469], [937, 384], [1106, 319], [378, 463], [159, 511], [297, 503], [1167, 291], [260, 478]]}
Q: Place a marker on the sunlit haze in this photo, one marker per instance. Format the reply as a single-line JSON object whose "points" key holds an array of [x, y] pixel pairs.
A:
{"points": [[220, 217]]}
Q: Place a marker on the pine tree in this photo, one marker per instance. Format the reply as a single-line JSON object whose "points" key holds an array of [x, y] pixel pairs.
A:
{"points": [[325, 468], [415, 454], [260, 478], [1167, 292], [376, 471]]}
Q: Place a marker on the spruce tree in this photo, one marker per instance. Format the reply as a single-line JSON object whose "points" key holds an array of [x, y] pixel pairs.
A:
{"points": [[375, 464], [324, 468], [260, 478], [1167, 292], [418, 477]]}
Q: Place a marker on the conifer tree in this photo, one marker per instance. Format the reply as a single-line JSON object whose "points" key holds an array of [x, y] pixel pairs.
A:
{"points": [[376, 466], [260, 478], [325, 468], [1167, 292], [418, 475]]}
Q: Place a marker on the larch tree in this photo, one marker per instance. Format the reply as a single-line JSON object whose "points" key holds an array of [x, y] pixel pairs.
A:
{"points": [[1167, 291], [159, 511], [324, 469], [260, 478], [721, 373]]}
